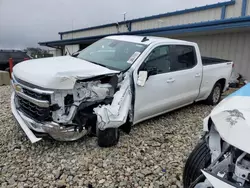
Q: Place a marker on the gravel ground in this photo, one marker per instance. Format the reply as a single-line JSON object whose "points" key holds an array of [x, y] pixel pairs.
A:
{"points": [[152, 155]]}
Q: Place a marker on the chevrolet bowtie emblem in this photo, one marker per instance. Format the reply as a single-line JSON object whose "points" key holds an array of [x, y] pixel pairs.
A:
{"points": [[18, 88]]}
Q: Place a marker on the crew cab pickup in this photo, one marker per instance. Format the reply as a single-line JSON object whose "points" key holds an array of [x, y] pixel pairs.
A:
{"points": [[111, 85]]}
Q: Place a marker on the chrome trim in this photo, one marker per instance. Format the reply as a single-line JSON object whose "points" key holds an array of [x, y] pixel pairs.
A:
{"points": [[48, 92], [21, 121], [41, 103], [55, 130]]}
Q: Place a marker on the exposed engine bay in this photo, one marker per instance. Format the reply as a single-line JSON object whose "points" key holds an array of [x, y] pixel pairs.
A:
{"points": [[230, 166], [103, 101]]}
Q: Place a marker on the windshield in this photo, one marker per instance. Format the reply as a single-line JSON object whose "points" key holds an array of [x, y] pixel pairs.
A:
{"points": [[113, 54]]}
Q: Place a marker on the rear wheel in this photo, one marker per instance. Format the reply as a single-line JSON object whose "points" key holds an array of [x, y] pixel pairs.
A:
{"points": [[108, 137], [200, 158], [215, 95]]}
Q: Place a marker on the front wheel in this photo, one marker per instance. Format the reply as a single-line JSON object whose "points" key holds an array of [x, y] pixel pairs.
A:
{"points": [[215, 95], [108, 137], [199, 159]]}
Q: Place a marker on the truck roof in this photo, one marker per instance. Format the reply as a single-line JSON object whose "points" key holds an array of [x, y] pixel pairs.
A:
{"points": [[139, 39]]}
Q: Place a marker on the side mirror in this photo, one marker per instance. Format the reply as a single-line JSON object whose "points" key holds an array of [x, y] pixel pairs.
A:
{"points": [[152, 71], [142, 78]]}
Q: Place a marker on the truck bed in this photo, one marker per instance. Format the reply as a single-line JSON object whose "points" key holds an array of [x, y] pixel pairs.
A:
{"points": [[214, 70], [212, 60]]}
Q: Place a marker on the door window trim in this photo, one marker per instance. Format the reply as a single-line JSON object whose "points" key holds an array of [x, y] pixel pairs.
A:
{"points": [[143, 62], [195, 55]]}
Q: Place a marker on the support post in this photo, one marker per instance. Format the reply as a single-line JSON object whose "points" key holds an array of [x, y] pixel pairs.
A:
{"points": [[11, 65]]}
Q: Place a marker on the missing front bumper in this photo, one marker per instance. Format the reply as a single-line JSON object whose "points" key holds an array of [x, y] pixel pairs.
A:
{"points": [[57, 132]]}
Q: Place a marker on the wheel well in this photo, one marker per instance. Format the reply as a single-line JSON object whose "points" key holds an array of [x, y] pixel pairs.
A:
{"points": [[222, 81], [210, 122]]}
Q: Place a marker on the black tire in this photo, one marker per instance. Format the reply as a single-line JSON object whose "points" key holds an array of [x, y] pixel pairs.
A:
{"points": [[211, 100], [108, 137], [200, 158]]}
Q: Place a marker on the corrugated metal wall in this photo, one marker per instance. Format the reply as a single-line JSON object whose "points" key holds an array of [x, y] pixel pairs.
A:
{"points": [[248, 8], [233, 46], [92, 32], [173, 20], [192, 17], [95, 32], [235, 10]]}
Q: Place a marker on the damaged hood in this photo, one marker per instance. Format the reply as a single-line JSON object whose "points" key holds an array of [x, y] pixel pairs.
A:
{"points": [[232, 118], [58, 72]]}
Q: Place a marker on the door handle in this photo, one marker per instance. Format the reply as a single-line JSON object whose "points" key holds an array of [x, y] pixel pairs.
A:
{"points": [[198, 75], [170, 80]]}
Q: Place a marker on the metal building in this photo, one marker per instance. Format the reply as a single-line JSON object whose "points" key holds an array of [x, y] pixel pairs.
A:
{"points": [[221, 30]]}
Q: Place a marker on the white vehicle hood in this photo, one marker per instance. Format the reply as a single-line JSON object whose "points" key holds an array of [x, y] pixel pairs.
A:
{"points": [[232, 118], [58, 72]]}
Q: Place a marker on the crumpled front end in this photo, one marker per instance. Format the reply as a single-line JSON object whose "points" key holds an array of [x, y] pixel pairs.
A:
{"points": [[228, 130], [115, 114], [231, 118], [33, 128], [102, 101], [33, 112]]}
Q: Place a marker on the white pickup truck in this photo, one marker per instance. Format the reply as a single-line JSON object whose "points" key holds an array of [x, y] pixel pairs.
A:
{"points": [[114, 83]]}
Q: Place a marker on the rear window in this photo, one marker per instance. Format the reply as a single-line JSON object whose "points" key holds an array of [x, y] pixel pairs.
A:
{"points": [[183, 57]]}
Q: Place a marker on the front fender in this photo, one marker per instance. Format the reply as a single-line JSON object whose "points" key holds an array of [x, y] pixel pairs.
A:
{"points": [[206, 124]]}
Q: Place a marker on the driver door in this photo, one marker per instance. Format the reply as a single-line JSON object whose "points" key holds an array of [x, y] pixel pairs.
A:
{"points": [[155, 96]]}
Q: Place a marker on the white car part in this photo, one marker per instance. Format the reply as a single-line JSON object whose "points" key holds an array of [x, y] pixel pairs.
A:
{"points": [[22, 122], [115, 115], [62, 74], [60, 115], [142, 78], [242, 170], [215, 182], [56, 131], [218, 172], [232, 120], [205, 184], [83, 91], [214, 143], [205, 124], [92, 91]]}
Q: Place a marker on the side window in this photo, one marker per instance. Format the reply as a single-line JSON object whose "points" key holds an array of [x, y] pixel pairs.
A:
{"points": [[182, 57], [158, 60]]}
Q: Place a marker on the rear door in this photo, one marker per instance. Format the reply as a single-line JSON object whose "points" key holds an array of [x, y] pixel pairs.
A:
{"points": [[186, 73]]}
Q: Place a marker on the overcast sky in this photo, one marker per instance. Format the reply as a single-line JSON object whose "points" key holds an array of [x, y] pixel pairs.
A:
{"points": [[24, 23]]}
